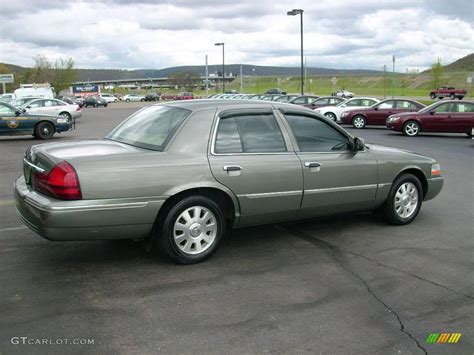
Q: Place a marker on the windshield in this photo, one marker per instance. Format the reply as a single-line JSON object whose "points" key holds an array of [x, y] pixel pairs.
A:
{"points": [[150, 128], [429, 108]]}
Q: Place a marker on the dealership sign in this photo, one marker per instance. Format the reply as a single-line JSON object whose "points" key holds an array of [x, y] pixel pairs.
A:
{"points": [[85, 89], [6, 78]]}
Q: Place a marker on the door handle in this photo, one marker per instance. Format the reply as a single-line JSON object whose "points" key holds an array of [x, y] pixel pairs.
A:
{"points": [[232, 168], [312, 164]]}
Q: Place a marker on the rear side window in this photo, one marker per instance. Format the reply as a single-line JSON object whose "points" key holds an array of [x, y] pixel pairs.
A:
{"points": [[249, 133], [464, 107], [406, 105]]}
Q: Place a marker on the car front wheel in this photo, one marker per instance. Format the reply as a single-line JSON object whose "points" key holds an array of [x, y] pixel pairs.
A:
{"points": [[411, 128], [331, 116], [404, 200], [433, 96], [192, 230], [359, 122]]}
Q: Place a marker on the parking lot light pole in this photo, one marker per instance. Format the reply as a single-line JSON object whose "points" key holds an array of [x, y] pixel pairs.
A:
{"points": [[295, 12], [223, 66], [393, 76]]}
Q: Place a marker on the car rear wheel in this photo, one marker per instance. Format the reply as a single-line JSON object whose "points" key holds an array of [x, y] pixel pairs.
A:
{"points": [[127, 100], [404, 200], [433, 96], [331, 116], [411, 128], [192, 230], [359, 122], [44, 130], [66, 115], [452, 96]]}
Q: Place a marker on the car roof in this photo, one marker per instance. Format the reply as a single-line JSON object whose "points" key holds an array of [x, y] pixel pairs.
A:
{"points": [[202, 104]]}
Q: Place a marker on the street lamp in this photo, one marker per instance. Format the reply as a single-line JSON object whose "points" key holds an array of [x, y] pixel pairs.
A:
{"points": [[223, 66], [393, 76], [295, 12]]}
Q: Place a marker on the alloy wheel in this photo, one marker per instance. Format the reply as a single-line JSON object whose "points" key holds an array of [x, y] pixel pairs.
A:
{"points": [[412, 129], [358, 122], [406, 200], [195, 230]]}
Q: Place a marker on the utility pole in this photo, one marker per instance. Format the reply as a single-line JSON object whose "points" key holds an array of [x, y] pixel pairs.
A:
{"points": [[393, 77], [385, 81], [295, 12], [207, 78], [241, 80]]}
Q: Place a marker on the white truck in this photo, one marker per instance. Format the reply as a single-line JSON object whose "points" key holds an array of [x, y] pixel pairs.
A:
{"points": [[34, 90]]}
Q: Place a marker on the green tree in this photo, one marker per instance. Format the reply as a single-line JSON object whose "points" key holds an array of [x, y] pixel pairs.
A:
{"points": [[436, 73], [63, 74]]}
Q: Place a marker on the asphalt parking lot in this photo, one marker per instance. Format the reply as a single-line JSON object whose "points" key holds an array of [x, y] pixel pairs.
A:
{"points": [[348, 284]]}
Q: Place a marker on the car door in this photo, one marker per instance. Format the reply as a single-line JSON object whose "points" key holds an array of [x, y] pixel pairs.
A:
{"points": [[438, 119], [36, 106], [379, 114], [336, 178], [462, 117], [8, 119], [254, 158]]}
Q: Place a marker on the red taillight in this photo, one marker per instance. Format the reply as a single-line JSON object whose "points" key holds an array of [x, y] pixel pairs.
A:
{"points": [[60, 182]]}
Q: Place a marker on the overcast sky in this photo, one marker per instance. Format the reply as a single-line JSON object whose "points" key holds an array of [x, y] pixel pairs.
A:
{"points": [[158, 34]]}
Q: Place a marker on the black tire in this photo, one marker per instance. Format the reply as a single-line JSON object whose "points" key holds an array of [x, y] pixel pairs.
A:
{"points": [[127, 100], [359, 122], [142, 100], [460, 97], [66, 115], [390, 210], [44, 130], [411, 129], [105, 105], [433, 96], [96, 105], [331, 116], [165, 230]]}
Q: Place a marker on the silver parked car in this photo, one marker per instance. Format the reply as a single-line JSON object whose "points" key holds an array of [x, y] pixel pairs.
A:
{"points": [[53, 107], [178, 174]]}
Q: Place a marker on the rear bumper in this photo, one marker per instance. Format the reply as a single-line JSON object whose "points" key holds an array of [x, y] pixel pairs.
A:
{"points": [[85, 219], [434, 187]]}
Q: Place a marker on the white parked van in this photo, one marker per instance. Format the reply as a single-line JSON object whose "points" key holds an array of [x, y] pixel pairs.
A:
{"points": [[35, 90]]}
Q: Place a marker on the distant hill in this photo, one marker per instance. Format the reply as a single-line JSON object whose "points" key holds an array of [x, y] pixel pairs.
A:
{"points": [[111, 74], [463, 64]]}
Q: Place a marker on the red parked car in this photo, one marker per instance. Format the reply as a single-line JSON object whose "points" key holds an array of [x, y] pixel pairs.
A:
{"points": [[377, 114], [451, 117], [180, 96]]}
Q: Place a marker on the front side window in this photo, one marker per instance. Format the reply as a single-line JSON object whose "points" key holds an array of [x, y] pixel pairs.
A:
{"points": [[300, 100], [321, 101], [34, 104], [443, 108], [385, 105], [249, 133], [150, 128], [314, 135]]}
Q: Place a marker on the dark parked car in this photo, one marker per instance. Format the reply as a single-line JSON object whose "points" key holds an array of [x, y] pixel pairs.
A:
{"points": [[326, 101], [377, 114], [449, 117], [286, 98], [94, 101], [448, 91], [304, 100], [15, 122], [275, 91], [179, 174], [152, 97]]}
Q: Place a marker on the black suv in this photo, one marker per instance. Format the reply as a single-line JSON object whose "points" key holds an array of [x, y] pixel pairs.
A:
{"points": [[153, 97], [275, 92], [94, 101]]}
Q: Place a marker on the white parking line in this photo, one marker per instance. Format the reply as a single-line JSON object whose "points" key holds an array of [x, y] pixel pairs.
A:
{"points": [[12, 229]]}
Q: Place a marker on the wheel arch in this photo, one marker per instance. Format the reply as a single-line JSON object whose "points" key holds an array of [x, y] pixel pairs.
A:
{"points": [[226, 200], [418, 172], [48, 121]]}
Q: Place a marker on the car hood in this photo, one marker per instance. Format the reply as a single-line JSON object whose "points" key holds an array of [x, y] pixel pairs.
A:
{"points": [[404, 114], [387, 153]]}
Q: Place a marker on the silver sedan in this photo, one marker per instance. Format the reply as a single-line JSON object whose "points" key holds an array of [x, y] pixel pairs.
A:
{"points": [[53, 107], [178, 174]]}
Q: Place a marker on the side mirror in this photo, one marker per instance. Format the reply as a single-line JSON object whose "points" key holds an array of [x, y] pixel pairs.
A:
{"points": [[376, 108], [343, 105], [432, 112], [17, 113], [28, 106], [358, 144]]}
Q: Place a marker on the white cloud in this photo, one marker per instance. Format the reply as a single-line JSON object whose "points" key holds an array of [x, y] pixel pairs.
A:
{"points": [[157, 34]]}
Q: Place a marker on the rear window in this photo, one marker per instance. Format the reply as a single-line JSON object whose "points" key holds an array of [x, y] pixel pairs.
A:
{"points": [[150, 128]]}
